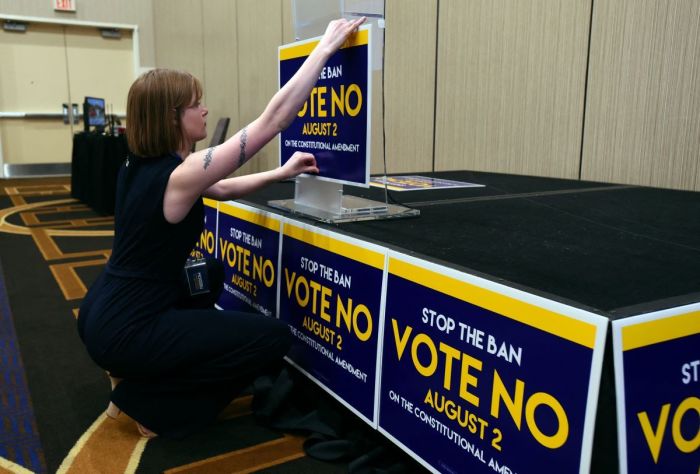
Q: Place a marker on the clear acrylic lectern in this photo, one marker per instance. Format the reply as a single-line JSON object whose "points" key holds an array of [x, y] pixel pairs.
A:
{"points": [[321, 199]]}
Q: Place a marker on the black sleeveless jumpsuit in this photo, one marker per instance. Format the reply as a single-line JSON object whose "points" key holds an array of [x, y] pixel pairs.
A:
{"points": [[181, 359]]}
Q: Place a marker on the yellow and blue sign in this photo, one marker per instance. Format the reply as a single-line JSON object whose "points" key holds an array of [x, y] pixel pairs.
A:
{"points": [[206, 246], [334, 123], [657, 383], [418, 183], [248, 245], [479, 377], [330, 294]]}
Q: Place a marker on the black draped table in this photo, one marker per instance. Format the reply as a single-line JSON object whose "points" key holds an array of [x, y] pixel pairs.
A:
{"points": [[95, 163]]}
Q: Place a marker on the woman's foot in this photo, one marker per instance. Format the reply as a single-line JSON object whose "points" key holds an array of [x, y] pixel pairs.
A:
{"points": [[113, 410], [113, 381], [145, 432]]}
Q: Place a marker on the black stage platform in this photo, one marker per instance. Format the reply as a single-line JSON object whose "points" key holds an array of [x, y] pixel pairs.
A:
{"points": [[614, 250]]}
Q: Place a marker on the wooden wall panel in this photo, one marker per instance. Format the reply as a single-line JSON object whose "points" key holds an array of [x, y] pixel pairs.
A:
{"points": [[179, 35], [409, 71], [220, 54], [259, 36], [510, 85], [376, 148], [287, 22], [643, 108], [232, 47]]}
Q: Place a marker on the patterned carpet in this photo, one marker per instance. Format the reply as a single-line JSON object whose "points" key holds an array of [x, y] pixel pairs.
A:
{"points": [[74, 243], [53, 397], [19, 437]]}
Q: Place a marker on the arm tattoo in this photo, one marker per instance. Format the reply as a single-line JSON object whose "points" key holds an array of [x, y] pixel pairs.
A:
{"points": [[208, 157], [244, 142]]}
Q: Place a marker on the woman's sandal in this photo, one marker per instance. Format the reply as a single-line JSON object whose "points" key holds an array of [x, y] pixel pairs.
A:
{"points": [[113, 410], [114, 381], [145, 432]]}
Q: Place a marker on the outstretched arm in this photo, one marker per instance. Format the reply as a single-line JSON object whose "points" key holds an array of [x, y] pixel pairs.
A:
{"points": [[200, 170], [239, 186]]}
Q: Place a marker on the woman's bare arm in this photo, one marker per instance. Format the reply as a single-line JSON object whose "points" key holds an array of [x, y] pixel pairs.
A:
{"points": [[239, 186], [200, 170]]}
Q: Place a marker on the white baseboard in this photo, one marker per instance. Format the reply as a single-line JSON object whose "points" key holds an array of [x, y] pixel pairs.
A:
{"points": [[35, 170]]}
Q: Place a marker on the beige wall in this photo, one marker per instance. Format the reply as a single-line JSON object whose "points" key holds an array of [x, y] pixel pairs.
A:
{"points": [[409, 76], [510, 86], [232, 48], [492, 85], [129, 12], [235, 56], [643, 107], [521, 89], [513, 86]]}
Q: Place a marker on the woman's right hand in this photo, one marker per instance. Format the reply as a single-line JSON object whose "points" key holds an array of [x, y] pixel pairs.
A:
{"points": [[299, 163], [337, 32]]}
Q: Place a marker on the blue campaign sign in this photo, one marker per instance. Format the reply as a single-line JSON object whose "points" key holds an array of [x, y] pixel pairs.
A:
{"points": [[478, 377], [248, 245], [206, 246], [334, 123], [657, 383], [330, 294]]}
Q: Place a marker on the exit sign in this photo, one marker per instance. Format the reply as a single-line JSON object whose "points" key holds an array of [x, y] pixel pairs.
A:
{"points": [[64, 5]]}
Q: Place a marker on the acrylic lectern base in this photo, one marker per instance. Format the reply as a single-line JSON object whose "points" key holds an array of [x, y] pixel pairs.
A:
{"points": [[353, 209], [324, 201]]}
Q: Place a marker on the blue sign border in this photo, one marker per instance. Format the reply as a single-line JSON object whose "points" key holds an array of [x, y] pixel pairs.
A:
{"points": [[292, 55], [255, 223], [579, 327], [645, 339], [359, 246]]}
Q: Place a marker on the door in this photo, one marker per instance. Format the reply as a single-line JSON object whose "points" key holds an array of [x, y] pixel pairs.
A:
{"points": [[48, 66], [100, 67], [33, 81]]}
